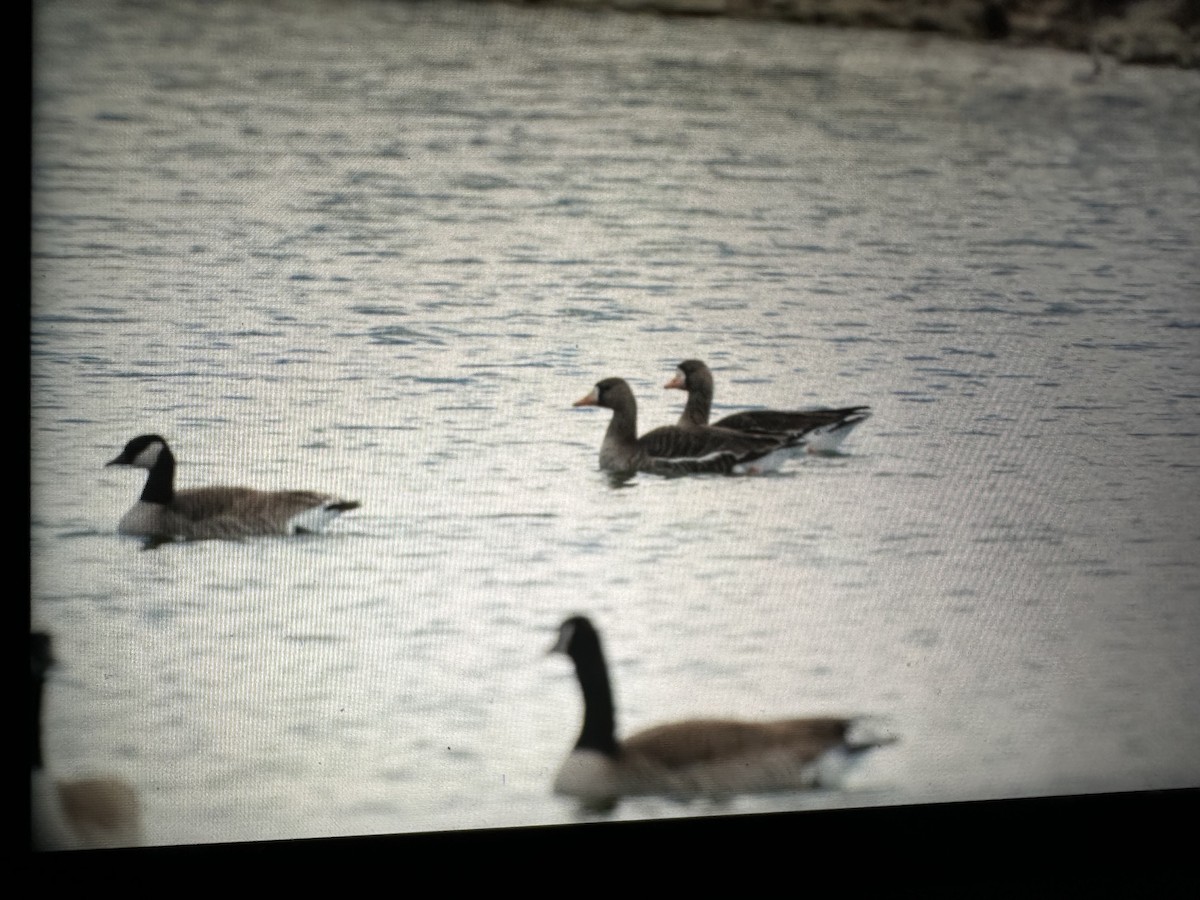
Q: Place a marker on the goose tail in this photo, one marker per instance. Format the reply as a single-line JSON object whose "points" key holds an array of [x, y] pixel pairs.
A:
{"points": [[867, 733], [827, 439]]}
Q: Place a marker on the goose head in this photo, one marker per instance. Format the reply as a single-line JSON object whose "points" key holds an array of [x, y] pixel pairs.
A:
{"points": [[142, 452], [577, 638], [611, 393], [690, 375]]}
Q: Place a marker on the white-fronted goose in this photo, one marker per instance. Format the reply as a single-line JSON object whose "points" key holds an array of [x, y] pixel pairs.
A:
{"points": [[824, 429], [672, 450], [86, 813], [164, 514], [699, 757]]}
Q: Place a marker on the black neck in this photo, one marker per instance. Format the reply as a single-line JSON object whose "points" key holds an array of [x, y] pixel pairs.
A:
{"points": [[160, 484], [599, 717]]}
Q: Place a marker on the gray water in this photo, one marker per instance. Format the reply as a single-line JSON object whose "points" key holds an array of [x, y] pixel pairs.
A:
{"points": [[379, 248]]}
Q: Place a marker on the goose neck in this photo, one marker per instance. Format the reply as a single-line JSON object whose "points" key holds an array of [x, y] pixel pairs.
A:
{"points": [[599, 716], [699, 400], [160, 483], [622, 430]]}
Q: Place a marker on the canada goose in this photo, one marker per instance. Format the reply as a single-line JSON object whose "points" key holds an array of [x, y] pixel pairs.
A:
{"points": [[671, 450], [699, 757], [78, 814], [163, 513], [823, 429]]}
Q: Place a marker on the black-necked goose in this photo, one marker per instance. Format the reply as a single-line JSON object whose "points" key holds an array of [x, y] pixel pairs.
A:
{"points": [[81, 813], [699, 757], [671, 450], [823, 429], [164, 514]]}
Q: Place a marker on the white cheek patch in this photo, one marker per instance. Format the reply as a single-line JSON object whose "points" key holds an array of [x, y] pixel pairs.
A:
{"points": [[564, 638], [148, 457]]}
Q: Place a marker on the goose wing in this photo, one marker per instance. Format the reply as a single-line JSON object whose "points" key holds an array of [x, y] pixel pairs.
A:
{"points": [[198, 504], [231, 512], [704, 741], [770, 421], [675, 450]]}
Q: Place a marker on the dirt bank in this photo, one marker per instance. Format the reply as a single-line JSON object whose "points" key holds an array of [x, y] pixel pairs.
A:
{"points": [[1150, 32]]}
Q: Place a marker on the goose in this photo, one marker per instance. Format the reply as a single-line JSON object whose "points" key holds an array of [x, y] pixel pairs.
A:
{"points": [[87, 813], [164, 514], [698, 757], [671, 450], [823, 429]]}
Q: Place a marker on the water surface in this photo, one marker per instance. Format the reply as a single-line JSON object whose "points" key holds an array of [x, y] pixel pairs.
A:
{"points": [[379, 248]]}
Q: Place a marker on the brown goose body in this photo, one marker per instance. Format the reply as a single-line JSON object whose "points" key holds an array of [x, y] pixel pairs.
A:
{"points": [[230, 513], [671, 450], [164, 513], [706, 757], [83, 813], [823, 429]]}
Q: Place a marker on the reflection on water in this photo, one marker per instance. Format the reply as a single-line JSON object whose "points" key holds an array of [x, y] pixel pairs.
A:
{"points": [[390, 269]]}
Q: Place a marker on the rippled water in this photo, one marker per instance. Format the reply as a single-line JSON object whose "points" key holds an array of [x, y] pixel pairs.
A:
{"points": [[379, 248]]}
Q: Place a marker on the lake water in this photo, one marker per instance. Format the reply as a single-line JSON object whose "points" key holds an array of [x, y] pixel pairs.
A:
{"points": [[379, 248]]}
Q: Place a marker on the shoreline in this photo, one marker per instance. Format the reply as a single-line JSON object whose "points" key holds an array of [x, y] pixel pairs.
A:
{"points": [[1140, 32]]}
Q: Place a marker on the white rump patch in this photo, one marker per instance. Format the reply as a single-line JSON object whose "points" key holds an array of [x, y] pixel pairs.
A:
{"points": [[769, 463], [827, 438], [312, 520]]}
